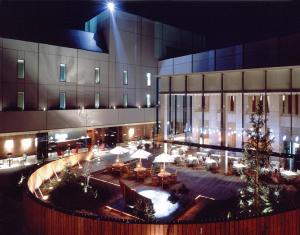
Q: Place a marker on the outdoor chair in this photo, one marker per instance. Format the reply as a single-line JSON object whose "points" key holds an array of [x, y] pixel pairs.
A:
{"points": [[215, 168], [166, 182], [140, 176], [154, 180], [173, 178]]}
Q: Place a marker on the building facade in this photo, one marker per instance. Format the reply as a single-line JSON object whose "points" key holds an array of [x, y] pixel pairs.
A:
{"points": [[207, 98], [50, 91]]}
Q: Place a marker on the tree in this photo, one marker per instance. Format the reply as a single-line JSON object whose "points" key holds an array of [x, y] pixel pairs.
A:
{"points": [[257, 195]]}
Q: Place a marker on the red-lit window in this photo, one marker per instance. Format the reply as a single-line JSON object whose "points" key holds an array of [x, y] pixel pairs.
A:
{"points": [[289, 104], [232, 103]]}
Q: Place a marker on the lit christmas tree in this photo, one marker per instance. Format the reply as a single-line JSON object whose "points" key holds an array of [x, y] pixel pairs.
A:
{"points": [[257, 196]]}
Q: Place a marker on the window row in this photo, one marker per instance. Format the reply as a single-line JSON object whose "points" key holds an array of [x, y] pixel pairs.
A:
{"points": [[63, 73], [62, 100]]}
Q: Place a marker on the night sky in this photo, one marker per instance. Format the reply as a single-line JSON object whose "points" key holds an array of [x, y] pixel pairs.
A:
{"points": [[223, 23]]}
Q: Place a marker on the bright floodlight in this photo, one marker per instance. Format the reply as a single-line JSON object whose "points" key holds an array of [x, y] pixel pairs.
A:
{"points": [[111, 6]]}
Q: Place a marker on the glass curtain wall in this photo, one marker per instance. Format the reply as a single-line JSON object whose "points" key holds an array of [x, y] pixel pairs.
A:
{"points": [[216, 108]]}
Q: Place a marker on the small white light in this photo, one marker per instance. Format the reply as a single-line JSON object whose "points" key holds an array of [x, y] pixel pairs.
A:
{"points": [[297, 138], [284, 138], [114, 107], [44, 109], [111, 6]]}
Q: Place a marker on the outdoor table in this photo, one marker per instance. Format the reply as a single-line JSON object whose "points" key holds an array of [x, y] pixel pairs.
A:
{"points": [[118, 164], [191, 159], [216, 155], [288, 174], [209, 162], [239, 166], [162, 175], [202, 153], [140, 169]]}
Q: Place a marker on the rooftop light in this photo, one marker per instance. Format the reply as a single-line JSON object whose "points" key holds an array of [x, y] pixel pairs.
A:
{"points": [[111, 6]]}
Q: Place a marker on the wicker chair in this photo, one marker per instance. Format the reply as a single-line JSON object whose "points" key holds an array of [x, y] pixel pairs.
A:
{"points": [[140, 176], [166, 182], [154, 180]]}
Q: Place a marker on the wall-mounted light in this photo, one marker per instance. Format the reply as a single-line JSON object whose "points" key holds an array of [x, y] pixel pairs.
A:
{"points": [[131, 132], [26, 144], [284, 138], [9, 145]]}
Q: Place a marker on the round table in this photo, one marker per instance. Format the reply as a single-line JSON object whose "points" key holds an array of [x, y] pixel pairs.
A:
{"points": [[118, 164], [209, 162], [139, 169], [164, 174], [192, 159]]}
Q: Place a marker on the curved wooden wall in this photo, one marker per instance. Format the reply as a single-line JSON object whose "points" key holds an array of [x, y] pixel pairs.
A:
{"points": [[42, 219], [48, 171]]}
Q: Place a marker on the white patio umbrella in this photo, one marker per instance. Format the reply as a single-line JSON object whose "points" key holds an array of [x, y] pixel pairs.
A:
{"points": [[140, 154], [118, 151], [164, 157]]}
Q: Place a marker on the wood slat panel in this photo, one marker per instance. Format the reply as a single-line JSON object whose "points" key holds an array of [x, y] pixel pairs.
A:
{"points": [[42, 220]]}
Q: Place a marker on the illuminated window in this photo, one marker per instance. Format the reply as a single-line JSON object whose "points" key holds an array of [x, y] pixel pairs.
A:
{"points": [[20, 69], [20, 100], [125, 77], [97, 75], [62, 100], [148, 77], [148, 100], [62, 72], [97, 100], [125, 100]]}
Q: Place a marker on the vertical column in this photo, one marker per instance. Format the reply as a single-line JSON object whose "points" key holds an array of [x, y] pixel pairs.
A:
{"points": [[170, 105], [291, 160], [223, 126], [175, 112], [191, 112], [202, 107], [243, 107], [266, 99], [185, 123], [157, 106]]}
